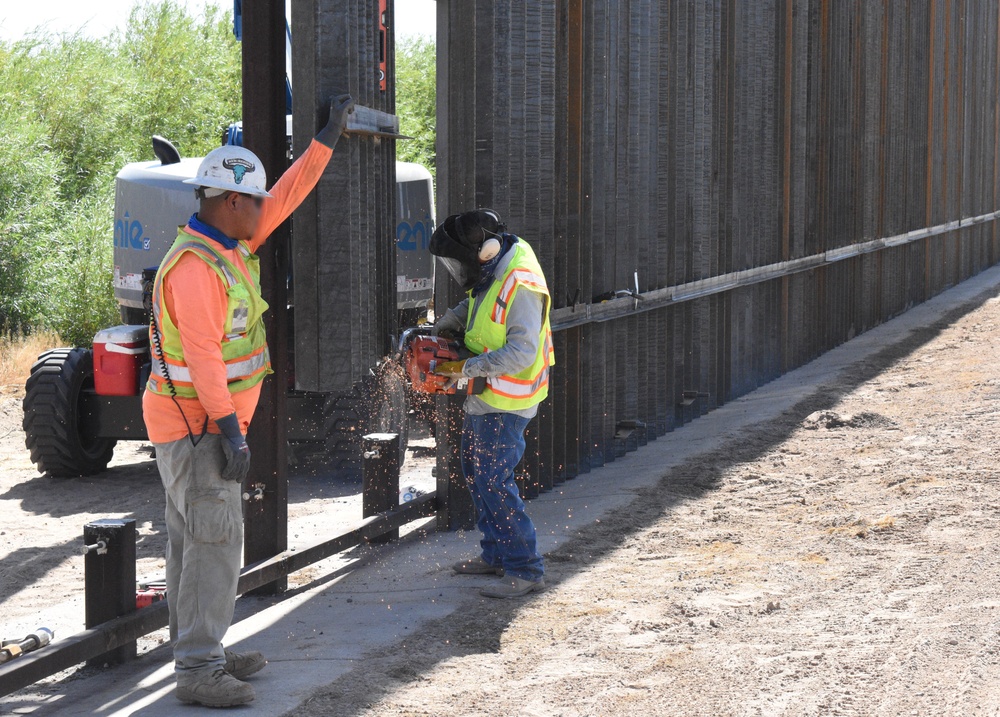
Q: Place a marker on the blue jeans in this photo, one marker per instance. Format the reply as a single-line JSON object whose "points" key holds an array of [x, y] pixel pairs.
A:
{"points": [[492, 446]]}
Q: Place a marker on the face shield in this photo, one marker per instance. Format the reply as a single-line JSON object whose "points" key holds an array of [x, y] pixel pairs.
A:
{"points": [[457, 252], [462, 273]]}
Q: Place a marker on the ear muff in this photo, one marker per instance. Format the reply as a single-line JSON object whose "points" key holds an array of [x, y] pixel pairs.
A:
{"points": [[492, 245], [489, 249]]}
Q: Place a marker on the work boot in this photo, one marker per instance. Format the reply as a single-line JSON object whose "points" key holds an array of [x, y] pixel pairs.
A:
{"points": [[218, 689], [513, 587], [476, 566], [243, 664]]}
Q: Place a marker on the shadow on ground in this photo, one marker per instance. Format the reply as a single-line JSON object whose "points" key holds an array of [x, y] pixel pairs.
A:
{"points": [[131, 490], [27, 566], [480, 628]]}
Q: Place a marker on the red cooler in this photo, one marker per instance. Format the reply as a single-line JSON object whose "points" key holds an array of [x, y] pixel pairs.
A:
{"points": [[119, 353]]}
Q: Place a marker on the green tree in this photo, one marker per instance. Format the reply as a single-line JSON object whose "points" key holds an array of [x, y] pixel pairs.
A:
{"points": [[416, 99], [73, 111]]}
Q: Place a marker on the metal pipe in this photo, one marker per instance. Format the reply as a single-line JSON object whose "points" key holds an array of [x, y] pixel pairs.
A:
{"points": [[35, 641], [581, 314]]}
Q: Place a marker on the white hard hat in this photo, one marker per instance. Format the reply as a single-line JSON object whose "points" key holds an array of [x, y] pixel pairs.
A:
{"points": [[232, 169]]}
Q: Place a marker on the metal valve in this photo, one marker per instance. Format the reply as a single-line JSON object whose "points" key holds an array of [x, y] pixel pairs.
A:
{"points": [[372, 454], [101, 547], [255, 493]]}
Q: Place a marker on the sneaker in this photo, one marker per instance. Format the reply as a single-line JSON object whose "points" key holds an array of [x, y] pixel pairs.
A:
{"points": [[243, 664], [476, 566], [513, 587], [219, 689]]}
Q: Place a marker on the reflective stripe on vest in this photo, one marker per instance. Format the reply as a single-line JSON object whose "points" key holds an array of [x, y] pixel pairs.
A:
{"points": [[202, 251], [244, 345], [487, 331], [518, 388], [517, 276], [236, 370]]}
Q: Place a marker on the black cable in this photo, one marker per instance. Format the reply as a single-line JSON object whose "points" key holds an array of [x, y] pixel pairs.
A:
{"points": [[170, 384]]}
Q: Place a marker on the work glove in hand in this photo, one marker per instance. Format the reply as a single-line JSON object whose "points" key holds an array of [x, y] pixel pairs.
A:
{"points": [[340, 107], [448, 326], [235, 448], [451, 369]]}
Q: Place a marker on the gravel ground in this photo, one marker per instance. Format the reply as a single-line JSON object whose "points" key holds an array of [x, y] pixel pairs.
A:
{"points": [[840, 560]]}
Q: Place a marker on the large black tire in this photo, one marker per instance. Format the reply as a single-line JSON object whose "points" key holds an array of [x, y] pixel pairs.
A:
{"points": [[378, 405], [59, 446]]}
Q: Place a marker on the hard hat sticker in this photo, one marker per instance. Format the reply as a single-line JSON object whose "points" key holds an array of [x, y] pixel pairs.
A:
{"points": [[239, 167]]}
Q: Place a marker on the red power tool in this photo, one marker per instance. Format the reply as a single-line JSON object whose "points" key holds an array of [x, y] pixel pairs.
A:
{"points": [[146, 593], [421, 353]]}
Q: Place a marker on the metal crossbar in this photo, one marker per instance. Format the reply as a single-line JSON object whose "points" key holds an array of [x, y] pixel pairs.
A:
{"points": [[123, 630], [581, 314]]}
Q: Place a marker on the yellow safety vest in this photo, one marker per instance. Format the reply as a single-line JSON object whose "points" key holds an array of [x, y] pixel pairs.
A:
{"points": [[244, 345], [486, 330]]}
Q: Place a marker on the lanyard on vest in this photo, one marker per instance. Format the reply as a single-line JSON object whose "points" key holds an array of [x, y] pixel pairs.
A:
{"points": [[161, 359]]}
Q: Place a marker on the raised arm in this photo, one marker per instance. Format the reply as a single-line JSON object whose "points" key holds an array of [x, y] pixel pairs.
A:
{"points": [[300, 179]]}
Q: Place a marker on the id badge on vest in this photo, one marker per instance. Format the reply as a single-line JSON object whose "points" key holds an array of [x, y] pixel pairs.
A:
{"points": [[241, 317]]}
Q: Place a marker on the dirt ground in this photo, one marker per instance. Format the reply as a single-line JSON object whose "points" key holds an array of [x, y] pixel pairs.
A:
{"points": [[838, 560], [840, 563], [41, 531]]}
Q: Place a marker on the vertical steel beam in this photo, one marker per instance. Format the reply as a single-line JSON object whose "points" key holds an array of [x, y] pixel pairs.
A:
{"points": [[344, 254], [380, 478], [264, 132], [458, 87], [786, 181], [109, 579]]}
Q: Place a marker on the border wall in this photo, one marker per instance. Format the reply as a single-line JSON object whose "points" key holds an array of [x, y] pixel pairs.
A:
{"points": [[780, 176]]}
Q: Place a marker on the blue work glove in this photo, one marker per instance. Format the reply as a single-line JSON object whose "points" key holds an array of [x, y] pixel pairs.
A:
{"points": [[235, 448], [340, 107]]}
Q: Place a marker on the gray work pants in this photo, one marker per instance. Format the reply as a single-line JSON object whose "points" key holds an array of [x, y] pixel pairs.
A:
{"points": [[204, 551]]}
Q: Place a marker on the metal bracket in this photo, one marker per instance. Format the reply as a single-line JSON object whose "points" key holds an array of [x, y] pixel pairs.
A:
{"points": [[256, 492], [100, 547], [366, 122], [689, 397]]}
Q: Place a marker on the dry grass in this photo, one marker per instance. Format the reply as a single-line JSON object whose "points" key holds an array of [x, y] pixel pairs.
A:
{"points": [[857, 528], [885, 523], [19, 351]]}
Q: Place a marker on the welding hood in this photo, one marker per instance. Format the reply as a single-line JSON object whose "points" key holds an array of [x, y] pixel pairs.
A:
{"points": [[457, 243]]}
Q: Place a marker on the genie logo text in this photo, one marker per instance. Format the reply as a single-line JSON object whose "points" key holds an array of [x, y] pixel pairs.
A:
{"points": [[410, 237], [129, 234]]}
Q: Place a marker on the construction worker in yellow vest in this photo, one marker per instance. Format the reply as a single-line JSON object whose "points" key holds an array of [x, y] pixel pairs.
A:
{"points": [[505, 323], [209, 359]]}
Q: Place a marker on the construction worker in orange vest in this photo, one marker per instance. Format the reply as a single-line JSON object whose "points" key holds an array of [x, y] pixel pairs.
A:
{"points": [[209, 359], [505, 325]]}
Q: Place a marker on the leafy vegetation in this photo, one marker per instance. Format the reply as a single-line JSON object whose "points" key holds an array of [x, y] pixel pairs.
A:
{"points": [[416, 103], [73, 110]]}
